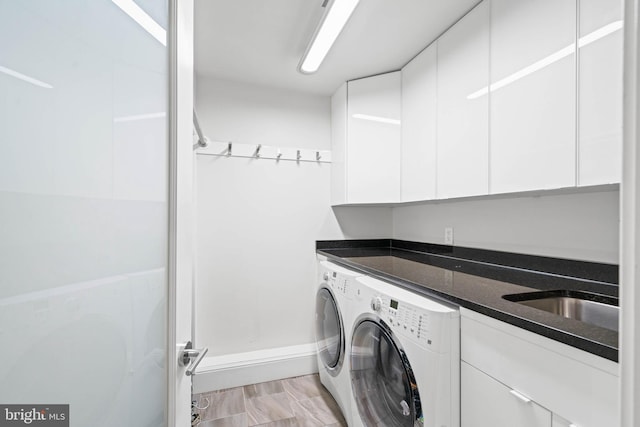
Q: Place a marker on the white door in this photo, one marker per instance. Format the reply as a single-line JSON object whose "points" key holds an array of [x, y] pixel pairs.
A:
{"points": [[182, 214], [630, 225], [95, 247]]}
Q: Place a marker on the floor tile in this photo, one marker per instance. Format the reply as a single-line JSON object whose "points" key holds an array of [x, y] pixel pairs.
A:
{"points": [[238, 420], [300, 401], [306, 387], [265, 409], [321, 409], [223, 403], [263, 389], [303, 417], [287, 422]]}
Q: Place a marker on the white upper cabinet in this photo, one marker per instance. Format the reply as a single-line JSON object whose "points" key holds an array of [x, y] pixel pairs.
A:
{"points": [[533, 95], [419, 113], [373, 139], [462, 120], [339, 146], [519, 95], [365, 141], [600, 88]]}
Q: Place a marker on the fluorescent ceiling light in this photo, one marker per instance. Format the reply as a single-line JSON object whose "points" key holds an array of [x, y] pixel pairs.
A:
{"points": [[17, 75], [332, 23], [139, 117], [143, 19], [376, 119], [554, 57]]}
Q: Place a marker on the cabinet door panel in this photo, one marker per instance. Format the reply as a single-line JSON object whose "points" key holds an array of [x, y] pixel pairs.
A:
{"points": [[339, 146], [374, 137], [533, 95], [600, 88], [580, 386], [558, 421], [463, 134], [487, 402], [419, 80]]}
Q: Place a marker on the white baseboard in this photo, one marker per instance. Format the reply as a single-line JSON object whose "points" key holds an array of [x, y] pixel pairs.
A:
{"points": [[234, 370]]}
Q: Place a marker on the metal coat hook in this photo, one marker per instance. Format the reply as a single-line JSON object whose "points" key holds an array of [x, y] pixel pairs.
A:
{"points": [[260, 152], [202, 140]]}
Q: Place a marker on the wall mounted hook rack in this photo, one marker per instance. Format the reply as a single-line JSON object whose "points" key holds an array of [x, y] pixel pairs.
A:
{"points": [[264, 152]]}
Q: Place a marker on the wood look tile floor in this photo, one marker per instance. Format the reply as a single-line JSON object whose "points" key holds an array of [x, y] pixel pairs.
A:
{"points": [[300, 401]]}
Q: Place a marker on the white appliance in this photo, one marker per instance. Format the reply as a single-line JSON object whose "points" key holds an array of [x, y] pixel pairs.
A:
{"points": [[405, 358], [333, 330]]}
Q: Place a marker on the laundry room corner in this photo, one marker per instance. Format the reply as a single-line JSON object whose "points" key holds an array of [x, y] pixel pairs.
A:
{"points": [[258, 220]]}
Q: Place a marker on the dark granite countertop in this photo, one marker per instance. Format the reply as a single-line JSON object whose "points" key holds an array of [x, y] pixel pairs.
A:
{"points": [[460, 278]]}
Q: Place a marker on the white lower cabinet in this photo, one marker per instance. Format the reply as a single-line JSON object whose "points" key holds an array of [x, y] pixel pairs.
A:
{"points": [[516, 378], [487, 402], [558, 421]]}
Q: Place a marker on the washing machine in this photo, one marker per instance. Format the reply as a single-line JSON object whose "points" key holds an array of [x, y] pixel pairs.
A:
{"points": [[405, 358], [333, 330]]}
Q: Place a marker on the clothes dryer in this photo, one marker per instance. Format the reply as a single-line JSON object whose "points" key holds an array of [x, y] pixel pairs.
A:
{"points": [[333, 330], [405, 358]]}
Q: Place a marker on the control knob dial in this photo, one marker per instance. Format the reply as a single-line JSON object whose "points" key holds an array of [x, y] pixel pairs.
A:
{"points": [[376, 303]]}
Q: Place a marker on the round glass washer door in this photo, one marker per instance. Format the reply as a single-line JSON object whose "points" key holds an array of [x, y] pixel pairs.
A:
{"points": [[382, 381], [329, 332]]}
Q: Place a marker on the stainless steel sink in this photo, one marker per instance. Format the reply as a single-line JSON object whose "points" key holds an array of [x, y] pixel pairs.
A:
{"points": [[595, 309]]}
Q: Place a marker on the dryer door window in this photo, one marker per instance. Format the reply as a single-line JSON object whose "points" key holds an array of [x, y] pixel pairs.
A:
{"points": [[329, 335], [383, 383]]}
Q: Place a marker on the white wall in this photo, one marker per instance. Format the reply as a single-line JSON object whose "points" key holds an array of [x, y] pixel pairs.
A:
{"points": [[258, 219], [581, 226]]}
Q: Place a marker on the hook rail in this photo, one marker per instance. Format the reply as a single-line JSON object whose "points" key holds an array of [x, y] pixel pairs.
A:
{"points": [[260, 151]]}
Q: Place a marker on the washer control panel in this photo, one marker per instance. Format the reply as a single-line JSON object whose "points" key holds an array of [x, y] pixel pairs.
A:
{"points": [[409, 321], [340, 284]]}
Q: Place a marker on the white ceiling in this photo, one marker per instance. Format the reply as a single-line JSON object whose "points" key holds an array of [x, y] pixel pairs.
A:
{"points": [[261, 42]]}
